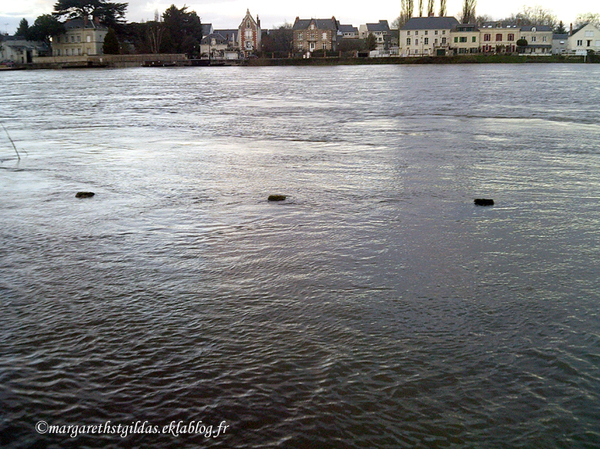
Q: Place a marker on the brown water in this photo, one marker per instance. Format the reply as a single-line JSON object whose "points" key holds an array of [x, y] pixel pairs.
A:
{"points": [[376, 307]]}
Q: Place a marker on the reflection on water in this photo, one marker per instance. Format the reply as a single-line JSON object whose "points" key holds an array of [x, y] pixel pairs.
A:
{"points": [[375, 307]]}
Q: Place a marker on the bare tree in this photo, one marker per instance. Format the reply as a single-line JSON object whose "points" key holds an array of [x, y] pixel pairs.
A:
{"points": [[535, 15], [589, 17], [430, 8], [421, 8], [443, 8], [468, 12]]}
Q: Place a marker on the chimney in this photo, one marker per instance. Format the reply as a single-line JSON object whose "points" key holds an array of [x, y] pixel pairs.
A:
{"points": [[257, 21], [571, 30]]}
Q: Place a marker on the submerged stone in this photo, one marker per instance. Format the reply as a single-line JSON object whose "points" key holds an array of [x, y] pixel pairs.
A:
{"points": [[84, 194], [483, 202], [276, 197]]}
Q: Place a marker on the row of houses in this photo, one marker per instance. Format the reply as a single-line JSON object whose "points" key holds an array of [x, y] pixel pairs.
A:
{"points": [[439, 36], [420, 36]]}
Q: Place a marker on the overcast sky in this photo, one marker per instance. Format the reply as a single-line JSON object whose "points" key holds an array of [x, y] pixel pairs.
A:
{"points": [[229, 13]]}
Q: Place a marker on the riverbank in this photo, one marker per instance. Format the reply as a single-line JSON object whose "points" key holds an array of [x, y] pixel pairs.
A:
{"points": [[466, 59], [123, 61]]}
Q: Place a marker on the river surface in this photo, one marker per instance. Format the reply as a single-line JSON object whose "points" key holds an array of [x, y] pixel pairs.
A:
{"points": [[376, 307]]}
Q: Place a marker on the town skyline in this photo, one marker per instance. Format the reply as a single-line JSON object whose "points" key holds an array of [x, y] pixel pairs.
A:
{"points": [[228, 14]]}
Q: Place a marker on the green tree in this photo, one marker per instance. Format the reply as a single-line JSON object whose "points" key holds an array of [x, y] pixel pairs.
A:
{"points": [[279, 40], [23, 29], [110, 14], [521, 44], [44, 27], [371, 42], [183, 31], [560, 29], [111, 43]]}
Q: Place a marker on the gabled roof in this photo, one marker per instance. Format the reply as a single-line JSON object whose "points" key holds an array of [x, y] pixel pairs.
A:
{"points": [[219, 38], [537, 28], [500, 25], [80, 23], [348, 28], [378, 27], [465, 27], [321, 24], [577, 30], [430, 23], [228, 34]]}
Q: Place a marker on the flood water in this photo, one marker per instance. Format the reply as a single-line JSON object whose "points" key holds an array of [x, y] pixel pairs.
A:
{"points": [[376, 307]]}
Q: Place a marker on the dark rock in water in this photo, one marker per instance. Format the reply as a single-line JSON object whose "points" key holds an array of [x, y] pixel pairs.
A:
{"points": [[276, 197], [84, 194], [483, 202]]}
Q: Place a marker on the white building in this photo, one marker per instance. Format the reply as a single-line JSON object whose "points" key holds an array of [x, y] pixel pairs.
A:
{"points": [[426, 36], [583, 39]]}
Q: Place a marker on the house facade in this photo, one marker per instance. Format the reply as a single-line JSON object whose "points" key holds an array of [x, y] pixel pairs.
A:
{"points": [[560, 43], [82, 37], [19, 50], [539, 39], [426, 36], [315, 34], [348, 31], [249, 34], [465, 39], [380, 30], [583, 39], [498, 37]]}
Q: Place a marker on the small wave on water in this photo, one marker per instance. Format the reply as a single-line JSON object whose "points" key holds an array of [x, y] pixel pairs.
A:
{"points": [[376, 307]]}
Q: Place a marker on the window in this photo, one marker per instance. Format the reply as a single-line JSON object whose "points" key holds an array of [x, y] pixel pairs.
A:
{"points": [[589, 43], [498, 37], [435, 42], [544, 39], [579, 43], [455, 39], [324, 46], [248, 34], [443, 31], [72, 38], [408, 33], [416, 41], [89, 38], [300, 36], [473, 39], [463, 38], [443, 40], [487, 37], [436, 32], [597, 44], [426, 41], [511, 37], [408, 41], [533, 39], [324, 36], [248, 45], [426, 32], [417, 33], [589, 34]]}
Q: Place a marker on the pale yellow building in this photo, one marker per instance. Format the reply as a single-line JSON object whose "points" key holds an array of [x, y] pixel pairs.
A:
{"points": [[82, 38]]}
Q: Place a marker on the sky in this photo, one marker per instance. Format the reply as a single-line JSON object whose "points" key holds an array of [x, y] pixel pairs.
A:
{"points": [[224, 14]]}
